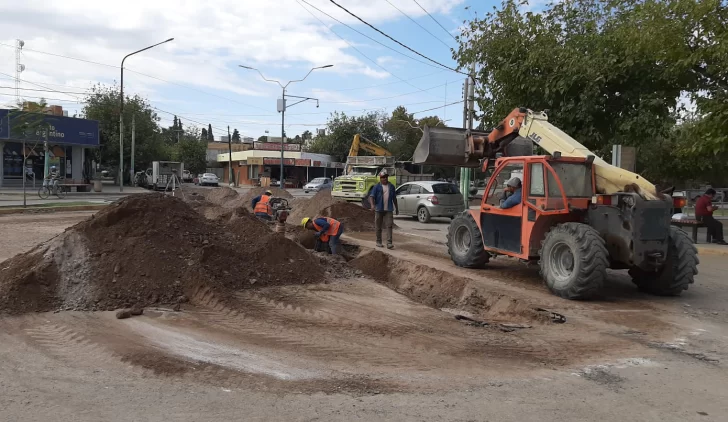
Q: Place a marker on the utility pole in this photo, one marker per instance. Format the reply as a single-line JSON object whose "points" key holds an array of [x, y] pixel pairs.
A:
{"points": [[230, 158], [463, 170], [133, 130]]}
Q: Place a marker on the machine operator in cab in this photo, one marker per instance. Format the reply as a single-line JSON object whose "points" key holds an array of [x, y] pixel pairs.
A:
{"points": [[512, 194]]}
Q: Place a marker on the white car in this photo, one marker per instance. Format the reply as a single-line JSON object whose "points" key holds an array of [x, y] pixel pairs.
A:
{"points": [[208, 179], [318, 184]]}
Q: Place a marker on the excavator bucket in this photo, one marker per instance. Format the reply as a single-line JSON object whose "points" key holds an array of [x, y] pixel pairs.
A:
{"points": [[444, 146]]}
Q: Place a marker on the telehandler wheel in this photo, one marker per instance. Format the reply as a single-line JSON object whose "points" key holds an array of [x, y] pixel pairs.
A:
{"points": [[678, 272], [574, 261], [465, 242]]}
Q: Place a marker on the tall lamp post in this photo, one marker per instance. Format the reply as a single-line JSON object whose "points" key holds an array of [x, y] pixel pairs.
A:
{"points": [[282, 107], [121, 115]]}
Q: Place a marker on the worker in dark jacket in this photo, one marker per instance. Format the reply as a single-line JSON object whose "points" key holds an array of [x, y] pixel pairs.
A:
{"points": [[327, 230], [261, 206], [704, 213]]}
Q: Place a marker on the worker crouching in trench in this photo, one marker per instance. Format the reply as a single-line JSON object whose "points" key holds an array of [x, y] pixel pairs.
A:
{"points": [[328, 232]]}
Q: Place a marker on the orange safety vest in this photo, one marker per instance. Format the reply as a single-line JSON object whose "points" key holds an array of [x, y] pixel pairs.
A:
{"points": [[263, 205], [333, 228]]}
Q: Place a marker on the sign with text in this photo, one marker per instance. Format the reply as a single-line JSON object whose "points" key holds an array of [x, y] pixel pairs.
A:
{"points": [[277, 161], [256, 161], [317, 164], [273, 146], [304, 162], [60, 130]]}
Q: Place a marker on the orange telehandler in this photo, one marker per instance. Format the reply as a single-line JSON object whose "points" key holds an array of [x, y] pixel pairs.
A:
{"points": [[577, 217]]}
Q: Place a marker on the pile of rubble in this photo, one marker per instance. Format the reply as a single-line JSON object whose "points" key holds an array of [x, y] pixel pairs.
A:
{"points": [[148, 249]]}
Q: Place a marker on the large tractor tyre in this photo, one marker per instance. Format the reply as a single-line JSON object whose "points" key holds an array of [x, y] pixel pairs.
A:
{"points": [[465, 242], [574, 261], [679, 270]]}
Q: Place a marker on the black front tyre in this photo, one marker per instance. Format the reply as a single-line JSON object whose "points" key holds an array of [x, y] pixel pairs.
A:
{"points": [[574, 261], [465, 242], [679, 270]]}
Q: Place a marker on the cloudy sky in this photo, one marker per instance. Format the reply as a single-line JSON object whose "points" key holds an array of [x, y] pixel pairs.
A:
{"points": [[73, 44]]}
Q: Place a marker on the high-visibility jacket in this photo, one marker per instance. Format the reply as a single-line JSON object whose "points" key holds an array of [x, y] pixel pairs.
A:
{"points": [[331, 231], [263, 206]]}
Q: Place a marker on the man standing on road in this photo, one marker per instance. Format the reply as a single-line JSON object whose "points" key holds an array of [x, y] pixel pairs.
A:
{"points": [[383, 200], [704, 213]]}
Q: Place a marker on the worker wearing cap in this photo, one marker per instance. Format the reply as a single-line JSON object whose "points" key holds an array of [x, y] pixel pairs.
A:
{"points": [[261, 206], [327, 230], [514, 187], [383, 200]]}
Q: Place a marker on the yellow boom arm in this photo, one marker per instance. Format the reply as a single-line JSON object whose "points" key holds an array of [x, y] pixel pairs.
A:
{"points": [[370, 147]]}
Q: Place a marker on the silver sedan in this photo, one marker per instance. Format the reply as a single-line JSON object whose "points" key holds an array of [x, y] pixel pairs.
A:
{"points": [[425, 200]]}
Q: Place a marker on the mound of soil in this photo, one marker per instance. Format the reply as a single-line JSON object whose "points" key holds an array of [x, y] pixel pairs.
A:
{"points": [[221, 195], [252, 193], [311, 207], [354, 217], [148, 249]]}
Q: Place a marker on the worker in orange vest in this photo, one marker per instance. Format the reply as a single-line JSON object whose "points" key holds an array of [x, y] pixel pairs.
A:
{"points": [[327, 230], [261, 206]]}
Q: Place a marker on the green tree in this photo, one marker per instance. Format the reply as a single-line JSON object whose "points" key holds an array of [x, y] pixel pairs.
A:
{"points": [[610, 72], [262, 139], [210, 136], [306, 135], [236, 137], [404, 132], [175, 123], [203, 135], [102, 104], [341, 130], [31, 125], [191, 151]]}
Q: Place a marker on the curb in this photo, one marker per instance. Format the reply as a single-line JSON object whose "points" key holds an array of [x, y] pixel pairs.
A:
{"points": [[704, 250], [43, 210]]}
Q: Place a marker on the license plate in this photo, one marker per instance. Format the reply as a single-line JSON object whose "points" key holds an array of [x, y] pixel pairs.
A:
{"points": [[451, 210]]}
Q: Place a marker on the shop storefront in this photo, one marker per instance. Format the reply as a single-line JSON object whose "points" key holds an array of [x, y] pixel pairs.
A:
{"points": [[52, 141]]}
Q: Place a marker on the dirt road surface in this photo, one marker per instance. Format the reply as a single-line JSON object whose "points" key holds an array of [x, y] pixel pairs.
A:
{"points": [[380, 345]]}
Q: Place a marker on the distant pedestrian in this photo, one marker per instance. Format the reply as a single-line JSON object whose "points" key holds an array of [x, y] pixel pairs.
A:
{"points": [[383, 200], [704, 213]]}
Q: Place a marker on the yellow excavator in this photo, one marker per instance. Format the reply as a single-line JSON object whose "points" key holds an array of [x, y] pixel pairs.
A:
{"points": [[572, 212]]}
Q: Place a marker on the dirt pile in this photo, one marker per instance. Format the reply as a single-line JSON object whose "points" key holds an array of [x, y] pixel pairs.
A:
{"points": [[148, 249], [252, 193], [442, 290], [221, 196], [354, 217]]}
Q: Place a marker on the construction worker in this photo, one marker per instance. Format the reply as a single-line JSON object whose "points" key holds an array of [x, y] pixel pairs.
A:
{"points": [[327, 230], [383, 201], [261, 206], [513, 186]]}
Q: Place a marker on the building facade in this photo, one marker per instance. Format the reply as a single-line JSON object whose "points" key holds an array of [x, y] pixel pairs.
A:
{"points": [[33, 142]]}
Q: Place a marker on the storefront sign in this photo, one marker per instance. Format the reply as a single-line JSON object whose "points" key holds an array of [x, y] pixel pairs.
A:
{"points": [[20, 125], [317, 164], [277, 161], [305, 162], [256, 161], [273, 146]]}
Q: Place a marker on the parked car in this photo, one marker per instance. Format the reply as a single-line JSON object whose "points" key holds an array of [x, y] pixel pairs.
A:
{"points": [[318, 184], [208, 179], [428, 199]]}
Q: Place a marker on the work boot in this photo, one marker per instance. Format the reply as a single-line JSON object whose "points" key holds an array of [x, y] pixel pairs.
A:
{"points": [[379, 244], [720, 242], [390, 246]]}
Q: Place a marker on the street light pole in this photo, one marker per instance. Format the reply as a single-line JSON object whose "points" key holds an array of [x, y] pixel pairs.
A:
{"points": [[121, 114], [282, 108]]}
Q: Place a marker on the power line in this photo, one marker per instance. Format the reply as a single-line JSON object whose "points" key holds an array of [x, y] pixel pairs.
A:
{"points": [[44, 90], [370, 38], [417, 23], [388, 83], [138, 73], [386, 98], [408, 48], [353, 47], [437, 108], [433, 18]]}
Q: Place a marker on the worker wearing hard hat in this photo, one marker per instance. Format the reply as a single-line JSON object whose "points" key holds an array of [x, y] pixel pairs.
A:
{"points": [[261, 206], [513, 186], [327, 230]]}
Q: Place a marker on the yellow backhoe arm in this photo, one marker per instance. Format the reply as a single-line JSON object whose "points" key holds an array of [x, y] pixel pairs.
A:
{"points": [[370, 147]]}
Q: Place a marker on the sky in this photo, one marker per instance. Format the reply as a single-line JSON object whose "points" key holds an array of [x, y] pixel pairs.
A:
{"points": [[74, 44]]}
